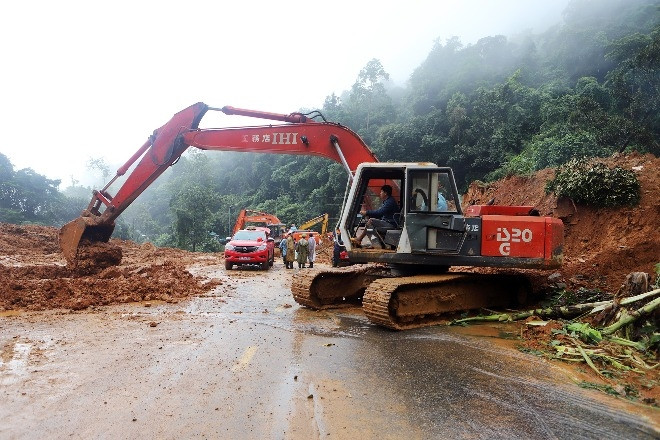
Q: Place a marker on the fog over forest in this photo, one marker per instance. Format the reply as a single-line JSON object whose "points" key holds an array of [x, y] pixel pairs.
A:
{"points": [[101, 95]]}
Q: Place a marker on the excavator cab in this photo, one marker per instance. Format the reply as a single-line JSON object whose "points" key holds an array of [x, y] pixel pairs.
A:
{"points": [[364, 196], [435, 221], [428, 200]]}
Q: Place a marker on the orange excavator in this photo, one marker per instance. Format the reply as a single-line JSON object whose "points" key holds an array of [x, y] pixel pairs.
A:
{"points": [[404, 282], [257, 218]]}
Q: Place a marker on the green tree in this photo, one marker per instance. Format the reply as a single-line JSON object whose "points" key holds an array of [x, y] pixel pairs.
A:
{"points": [[99, 164], [193, 217], [369, 102], [635, 86], [29, 197]]}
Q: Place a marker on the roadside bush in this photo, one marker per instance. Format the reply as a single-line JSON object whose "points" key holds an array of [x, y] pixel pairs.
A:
{"points": [[593, 183]]}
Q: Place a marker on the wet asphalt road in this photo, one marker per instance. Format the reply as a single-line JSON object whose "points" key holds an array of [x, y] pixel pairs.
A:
{"points": [[247, 362]]}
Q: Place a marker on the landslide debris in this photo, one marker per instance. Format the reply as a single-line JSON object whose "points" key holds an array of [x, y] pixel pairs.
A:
{"points": [[34, 276]]}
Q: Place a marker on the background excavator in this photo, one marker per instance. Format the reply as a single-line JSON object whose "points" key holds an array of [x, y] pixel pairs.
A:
{"points": [[305, 228], [322, 219], [411, 287], [247, 217]]}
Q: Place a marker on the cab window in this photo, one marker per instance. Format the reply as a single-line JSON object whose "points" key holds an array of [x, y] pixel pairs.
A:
{"points": [[430, 191]]}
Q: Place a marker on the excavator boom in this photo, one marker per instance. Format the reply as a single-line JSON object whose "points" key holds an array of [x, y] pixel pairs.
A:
{"points": [[298, 135], [323, 219]]}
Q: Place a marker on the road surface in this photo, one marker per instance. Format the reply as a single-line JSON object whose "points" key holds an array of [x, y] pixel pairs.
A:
{"points": [[249, 363]]}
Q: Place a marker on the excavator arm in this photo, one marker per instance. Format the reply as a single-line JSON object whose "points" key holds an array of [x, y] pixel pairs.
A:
{"points": [[246, 216], [323, 219], [298, 135]]}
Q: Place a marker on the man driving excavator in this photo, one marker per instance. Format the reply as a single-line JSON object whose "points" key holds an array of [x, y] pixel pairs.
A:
{"points": [[382, 217]]}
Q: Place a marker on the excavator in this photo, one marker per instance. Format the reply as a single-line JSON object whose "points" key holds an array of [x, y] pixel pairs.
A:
{"points": [[306, 225], [257, 218], [323, 219], [405, 280]]}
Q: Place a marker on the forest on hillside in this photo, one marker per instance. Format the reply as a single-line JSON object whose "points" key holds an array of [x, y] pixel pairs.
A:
{"points": [[587, 87]]}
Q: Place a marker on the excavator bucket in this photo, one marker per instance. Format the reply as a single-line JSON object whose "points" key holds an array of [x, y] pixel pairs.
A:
{"points": [[82, 228]]}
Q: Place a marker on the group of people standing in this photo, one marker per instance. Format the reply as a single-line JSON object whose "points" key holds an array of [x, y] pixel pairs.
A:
{"points": [[302, 251]]}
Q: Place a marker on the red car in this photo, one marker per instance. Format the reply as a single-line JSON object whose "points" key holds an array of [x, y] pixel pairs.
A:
{"points": [[252, 245]]}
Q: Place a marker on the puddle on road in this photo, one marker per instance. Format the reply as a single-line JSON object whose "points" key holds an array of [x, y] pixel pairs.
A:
{"points": [[14, 362]]}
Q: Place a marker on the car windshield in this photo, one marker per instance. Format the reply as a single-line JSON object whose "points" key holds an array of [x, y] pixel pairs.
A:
{"points": [[250, 235]]}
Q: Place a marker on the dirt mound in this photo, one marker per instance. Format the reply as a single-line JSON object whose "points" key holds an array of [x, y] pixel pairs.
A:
{"points": [[33, 275], [92, 258], [601, 245]]}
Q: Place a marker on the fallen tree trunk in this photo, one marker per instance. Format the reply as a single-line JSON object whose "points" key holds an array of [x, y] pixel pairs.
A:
{"points": [[561, 312], [564, 312], [632, 317]]}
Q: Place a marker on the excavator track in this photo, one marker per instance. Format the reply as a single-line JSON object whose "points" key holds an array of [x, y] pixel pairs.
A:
{"points": [[425, 300], [333, 288]]}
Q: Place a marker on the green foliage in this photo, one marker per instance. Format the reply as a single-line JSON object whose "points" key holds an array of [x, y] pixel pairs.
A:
{"points": [[29, 197], [555, 150], [593, 183], [584, 331], [99, 164], [634, 84], [191, 207], [606, 388], [522, 164], [562, 297]]}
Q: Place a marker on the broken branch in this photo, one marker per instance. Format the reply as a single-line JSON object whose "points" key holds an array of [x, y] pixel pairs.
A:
{"points": [[632, 317]]}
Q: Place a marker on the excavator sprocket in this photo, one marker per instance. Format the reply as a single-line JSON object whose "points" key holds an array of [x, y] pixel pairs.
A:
{"points": [[425, 300], [333, 288]]}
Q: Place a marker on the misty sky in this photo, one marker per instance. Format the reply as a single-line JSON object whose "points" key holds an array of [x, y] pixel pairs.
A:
{"points": [[81, 80]]}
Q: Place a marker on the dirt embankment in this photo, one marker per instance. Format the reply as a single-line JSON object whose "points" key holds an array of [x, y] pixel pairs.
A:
{"points": [[601, 247]]}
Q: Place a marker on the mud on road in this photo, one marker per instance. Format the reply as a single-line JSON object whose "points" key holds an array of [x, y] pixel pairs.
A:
{"points": [[34, 275], [243, 361]]}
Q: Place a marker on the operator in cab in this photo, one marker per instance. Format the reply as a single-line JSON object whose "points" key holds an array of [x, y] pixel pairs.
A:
{"points": [[382, 217]]}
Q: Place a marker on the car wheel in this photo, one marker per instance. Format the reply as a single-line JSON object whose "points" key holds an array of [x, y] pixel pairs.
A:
{"points": [[264, 265], [272, 260], [228, 265]]}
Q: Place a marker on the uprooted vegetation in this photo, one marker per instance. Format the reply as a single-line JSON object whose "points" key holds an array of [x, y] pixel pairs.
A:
{"points": [[592, 182], [616, 338], [586, 318]]}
